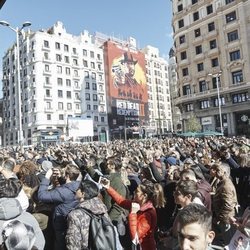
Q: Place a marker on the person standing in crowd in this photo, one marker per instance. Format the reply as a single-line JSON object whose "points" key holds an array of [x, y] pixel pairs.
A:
{"points": [[224, 203], [194, 228], [142, 218], [64, 199]]}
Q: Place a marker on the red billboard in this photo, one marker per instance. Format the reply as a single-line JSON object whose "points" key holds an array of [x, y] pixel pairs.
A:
{"points": [[127, 84]]}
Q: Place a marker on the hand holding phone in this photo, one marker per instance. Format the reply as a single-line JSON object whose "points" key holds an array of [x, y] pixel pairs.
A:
{"points": [[135, 207], [104, 182]]}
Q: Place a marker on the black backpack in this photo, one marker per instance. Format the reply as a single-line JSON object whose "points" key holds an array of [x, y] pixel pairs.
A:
{"points": [[102, 234]]}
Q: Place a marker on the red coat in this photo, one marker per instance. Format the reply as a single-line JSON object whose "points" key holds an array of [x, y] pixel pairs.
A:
{"points": [[143, 222]]}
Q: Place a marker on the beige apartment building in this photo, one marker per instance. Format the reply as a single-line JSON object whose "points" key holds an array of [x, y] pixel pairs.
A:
{"points": [[212, 49]]}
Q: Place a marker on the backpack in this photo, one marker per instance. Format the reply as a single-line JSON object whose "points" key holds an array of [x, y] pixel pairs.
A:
{"points": [[102, 234]]}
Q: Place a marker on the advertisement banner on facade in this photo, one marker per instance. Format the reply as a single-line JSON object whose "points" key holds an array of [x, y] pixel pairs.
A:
{"points": [[127, 83]]}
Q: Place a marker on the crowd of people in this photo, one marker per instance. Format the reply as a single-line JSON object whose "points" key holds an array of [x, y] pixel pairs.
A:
{"points": [[172, 193]]}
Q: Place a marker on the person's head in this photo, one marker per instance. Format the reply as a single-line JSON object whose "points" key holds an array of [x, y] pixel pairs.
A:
{"points": [[218, 170], [18, 236], [9, 164], [72, 172], [188, 174], [194, 223], [113, 165], [10, 188], [185, 192], [148, 191], [87, 190]]}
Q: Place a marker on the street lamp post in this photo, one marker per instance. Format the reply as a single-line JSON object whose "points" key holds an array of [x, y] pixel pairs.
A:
{"points": [[219, 100], [18, 31]]}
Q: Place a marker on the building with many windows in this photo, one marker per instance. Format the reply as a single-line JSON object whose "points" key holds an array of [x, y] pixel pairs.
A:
{"points": [[123, 89], [212, 49], [62, 76]]}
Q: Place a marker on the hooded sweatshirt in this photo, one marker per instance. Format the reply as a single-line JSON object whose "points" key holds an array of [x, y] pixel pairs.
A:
{"points": [[10, 209]]}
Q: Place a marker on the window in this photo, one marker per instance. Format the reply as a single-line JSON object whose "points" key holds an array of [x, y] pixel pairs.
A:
{"points": [[61, 117], [46, 67], [181, 23], [94, 97], [74, 51], [66, 59], [182, 39], [77, 106], [203, 86], [183, 55], [60, 105], [222, 101], [186, 90], [48, 117], [66, 47], [93, 75], [69, 106], [87, 85], [58, 58], [68, 82], [189, 107], [196, 16], [46, 55], [237, 76], [60, 93], [198, 49], [92, 65], [59, 69], [213, 44], [185, 72], [215, 62], [229, 1], [87, 96], [200, 67], [75, 72], [85, 63], [94, 86], [214, 79], [180, 7], [46, 44], [241, 97], [231, 17], [86, 74], [47, 91], [209, 9], [77, 96], [84, 52], [59, 81], [204, 104], [75, 62], [235, 55], [57, 45], [88, 107], [211, 27], [197, 32], [68, 94], [194, 1], [232, 36], [67, 71]]}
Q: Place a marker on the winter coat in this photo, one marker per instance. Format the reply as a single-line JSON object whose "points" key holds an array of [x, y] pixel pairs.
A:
{"points": [[143, 223], [63, 197], [78, 223], [114, 210], [10, 209], [204, 189], [224, 200]]}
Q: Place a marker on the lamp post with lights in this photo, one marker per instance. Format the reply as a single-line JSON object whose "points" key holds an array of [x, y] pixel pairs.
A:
{"points": [[217, 75], [18, 31]]}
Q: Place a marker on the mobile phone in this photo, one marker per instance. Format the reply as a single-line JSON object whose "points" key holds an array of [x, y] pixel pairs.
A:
{"points": [[104, 181]]}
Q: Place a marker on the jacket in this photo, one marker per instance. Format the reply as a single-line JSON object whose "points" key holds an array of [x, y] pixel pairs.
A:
{"points": [[114, 210], [142, 224], [224, 200], [63, 197], [78, 223], [11, 209]]}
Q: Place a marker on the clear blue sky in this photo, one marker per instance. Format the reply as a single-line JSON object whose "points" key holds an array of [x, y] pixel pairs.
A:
{"points": [[148, 21]]}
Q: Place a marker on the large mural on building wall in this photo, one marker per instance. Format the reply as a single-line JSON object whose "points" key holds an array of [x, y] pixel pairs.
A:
{"points": [[127, 85]]}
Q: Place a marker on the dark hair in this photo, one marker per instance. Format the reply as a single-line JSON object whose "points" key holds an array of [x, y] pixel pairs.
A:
{"points": [[72, 172], [195, 213], [9, 164], [89, 188], [187, 187], [10, 188]]}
